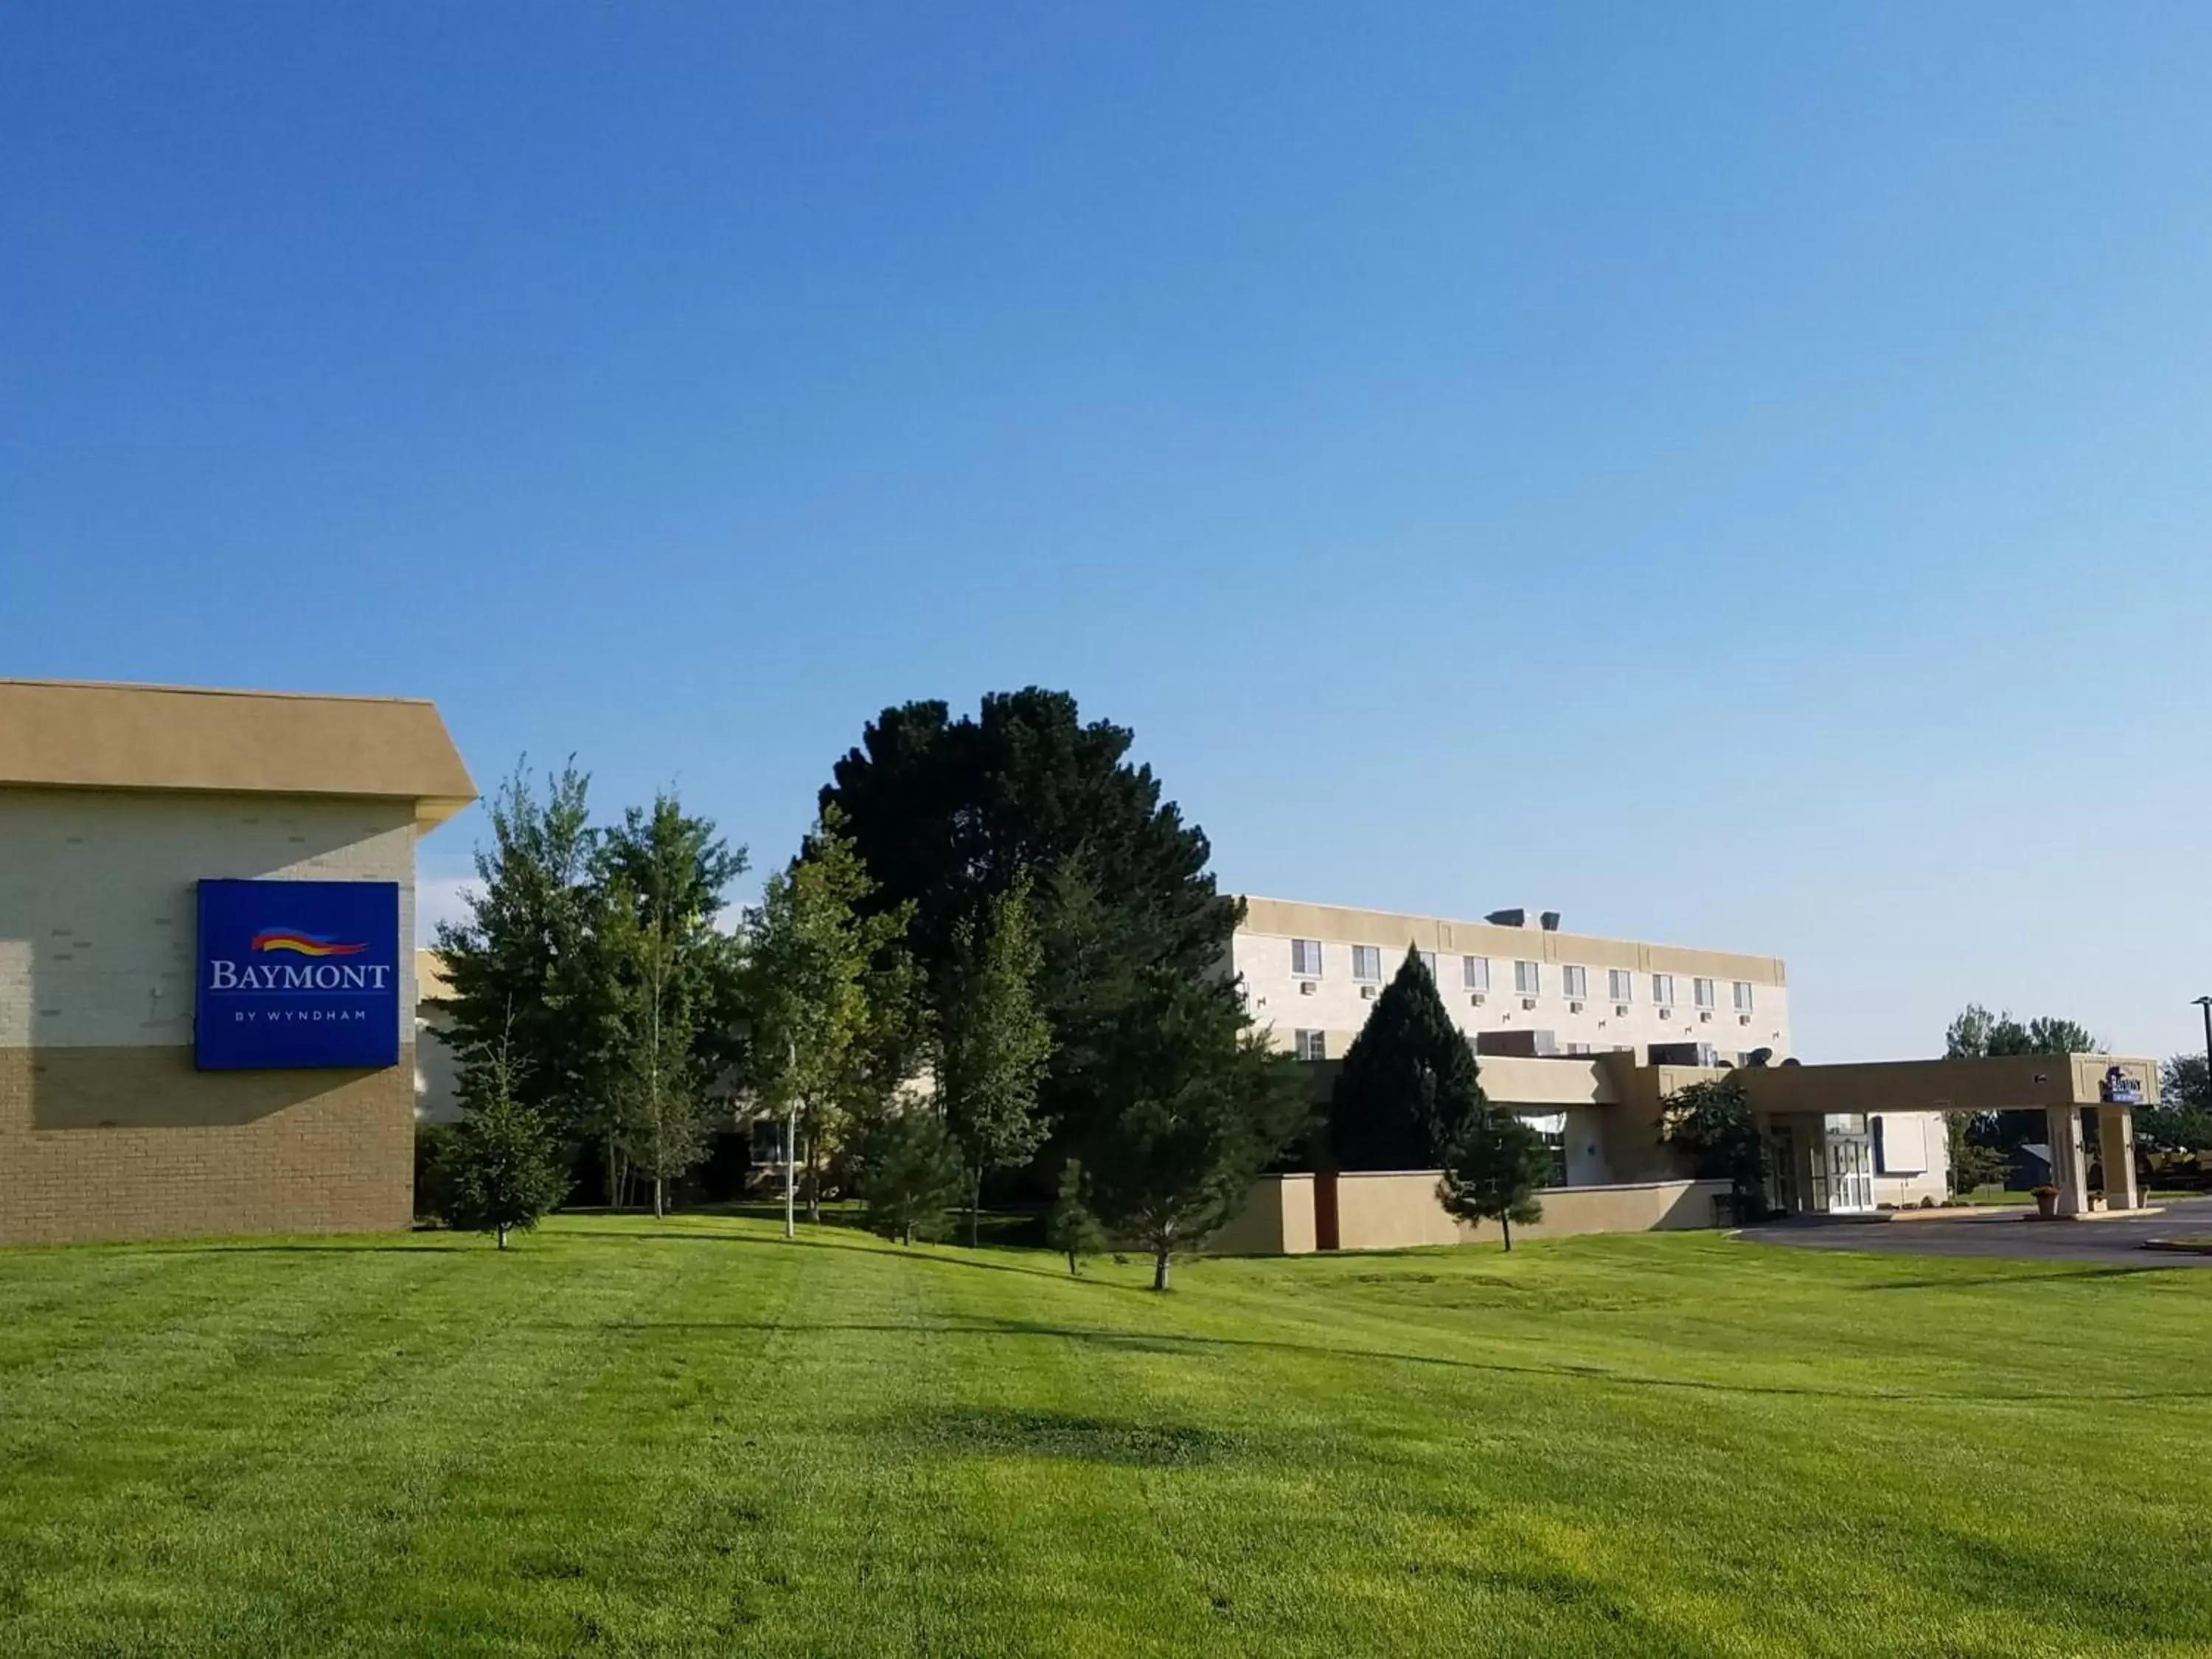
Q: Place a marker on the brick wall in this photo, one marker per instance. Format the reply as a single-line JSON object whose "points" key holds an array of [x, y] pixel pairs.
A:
{"points": [[133, 1143]]}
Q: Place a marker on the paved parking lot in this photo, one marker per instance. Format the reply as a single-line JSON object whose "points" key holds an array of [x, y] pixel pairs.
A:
{"points": [[2007, 1234]]}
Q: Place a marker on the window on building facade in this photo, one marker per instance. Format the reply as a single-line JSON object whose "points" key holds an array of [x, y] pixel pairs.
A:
{"points": [[1528, 978], [1662, 990], [1305, 957], [1618, 983], [1575, 981], [1702, 990], [1367, 963], [1310, 1045], [1743, 996], [1429, 962], [1477, 971]]}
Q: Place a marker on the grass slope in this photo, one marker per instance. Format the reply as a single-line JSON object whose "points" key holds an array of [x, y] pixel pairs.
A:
{"points": [[632, 1438]]}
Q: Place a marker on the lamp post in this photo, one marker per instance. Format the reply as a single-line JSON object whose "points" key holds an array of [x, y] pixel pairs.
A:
{"points": [[2205, 1005]]}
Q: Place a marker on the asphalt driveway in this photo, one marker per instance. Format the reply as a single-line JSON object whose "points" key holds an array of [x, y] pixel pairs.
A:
{"points": [[2005, 1233]]}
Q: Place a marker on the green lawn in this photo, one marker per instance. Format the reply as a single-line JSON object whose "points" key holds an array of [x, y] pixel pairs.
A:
{"points": [[631, 1437]]}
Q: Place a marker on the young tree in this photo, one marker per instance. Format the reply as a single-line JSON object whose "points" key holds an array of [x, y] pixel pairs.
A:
{"points": [[1494, 1166], [523, 971], [663, 876], [501, 1171], [1973, 1162], [1205, 1105], [814, 954], [910, 1175], [1071, 1228], [1712, 1122], [995, 1040], [1409, 1085]]}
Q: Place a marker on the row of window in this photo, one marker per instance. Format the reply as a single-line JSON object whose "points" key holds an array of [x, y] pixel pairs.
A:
{"points": [[1308, 961], [1313, 1045]]}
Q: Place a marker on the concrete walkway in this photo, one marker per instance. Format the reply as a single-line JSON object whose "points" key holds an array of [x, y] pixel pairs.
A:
{"points": [[2005, 1233]]}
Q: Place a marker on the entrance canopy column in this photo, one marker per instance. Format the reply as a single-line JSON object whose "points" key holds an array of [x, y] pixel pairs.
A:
{"points": [[2070, 1168], [2116, 1150]]}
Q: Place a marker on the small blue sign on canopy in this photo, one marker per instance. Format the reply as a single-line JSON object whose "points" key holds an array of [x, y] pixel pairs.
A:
{"points": [[297, 974]]}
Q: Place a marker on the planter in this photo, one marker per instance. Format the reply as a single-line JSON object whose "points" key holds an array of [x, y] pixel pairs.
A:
{"points": [[2047, 1205]]}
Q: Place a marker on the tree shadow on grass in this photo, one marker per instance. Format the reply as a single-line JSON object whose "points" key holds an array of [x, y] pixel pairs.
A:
{"points": [[1003, 1432], [1174, 1342], [862, 1243]]}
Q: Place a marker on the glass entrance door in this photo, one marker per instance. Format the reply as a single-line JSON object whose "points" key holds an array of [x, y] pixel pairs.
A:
{"points": [[1850, 1173]]}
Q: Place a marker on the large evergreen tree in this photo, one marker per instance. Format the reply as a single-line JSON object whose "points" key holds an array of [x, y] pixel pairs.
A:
{"points": [[1410, 1082], [946, 813]]}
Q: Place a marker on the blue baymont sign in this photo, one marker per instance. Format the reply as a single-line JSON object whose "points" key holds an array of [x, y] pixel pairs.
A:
{"points": [[297, 974]]}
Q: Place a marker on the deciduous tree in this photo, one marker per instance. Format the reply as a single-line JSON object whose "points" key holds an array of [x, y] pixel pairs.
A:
{"points": [[813, 944], [663, 878], [523, 969], [1712, 1121], [501, 1171], [995, 1040]]}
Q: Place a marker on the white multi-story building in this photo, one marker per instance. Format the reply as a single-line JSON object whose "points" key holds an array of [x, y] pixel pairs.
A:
{"points": [[1514, 982], [1581, 1036]]}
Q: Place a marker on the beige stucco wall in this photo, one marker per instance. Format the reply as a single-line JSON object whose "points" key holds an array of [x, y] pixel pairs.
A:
{"points": [[1277, 1220], [106, 1129], [1401, 1210], [1385, 1211]]}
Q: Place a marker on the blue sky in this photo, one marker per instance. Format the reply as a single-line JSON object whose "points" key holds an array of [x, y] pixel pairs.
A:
{"points": [[1735, 474]]}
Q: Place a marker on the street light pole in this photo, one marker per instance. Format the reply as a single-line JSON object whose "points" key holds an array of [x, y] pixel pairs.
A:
{"points": [[2205, 1004]]}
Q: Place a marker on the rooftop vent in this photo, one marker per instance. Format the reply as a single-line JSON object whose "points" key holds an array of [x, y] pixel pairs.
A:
{"points": [[1507, 918]]}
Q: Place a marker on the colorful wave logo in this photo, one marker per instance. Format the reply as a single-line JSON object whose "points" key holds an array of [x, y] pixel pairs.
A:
{"points": [[305, 945]]}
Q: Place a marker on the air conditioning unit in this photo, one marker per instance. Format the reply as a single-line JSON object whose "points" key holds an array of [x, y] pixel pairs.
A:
{"points": [[1574, 1007], [1367, 993], [1743, 1019], [1528, 1002], [1665, 1013], [1477, 999], [1307, 988], [1705, 1016], [1620, 1009]]}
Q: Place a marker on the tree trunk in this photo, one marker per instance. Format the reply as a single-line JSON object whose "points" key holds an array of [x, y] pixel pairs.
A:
{"points": [[813, 1184], [1160, 1268], [614, 1177], [502, 1238], [907, 1238], [975, 1206], [659, 1199], [1506, 1226], [1075, 1271]]}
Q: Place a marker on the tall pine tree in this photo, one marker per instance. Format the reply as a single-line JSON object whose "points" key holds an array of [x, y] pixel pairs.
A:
{"points": [[1409, 1083]]}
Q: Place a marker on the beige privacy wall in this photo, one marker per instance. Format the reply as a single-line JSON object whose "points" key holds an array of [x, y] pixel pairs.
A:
{"points": [[106, 1131]]}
